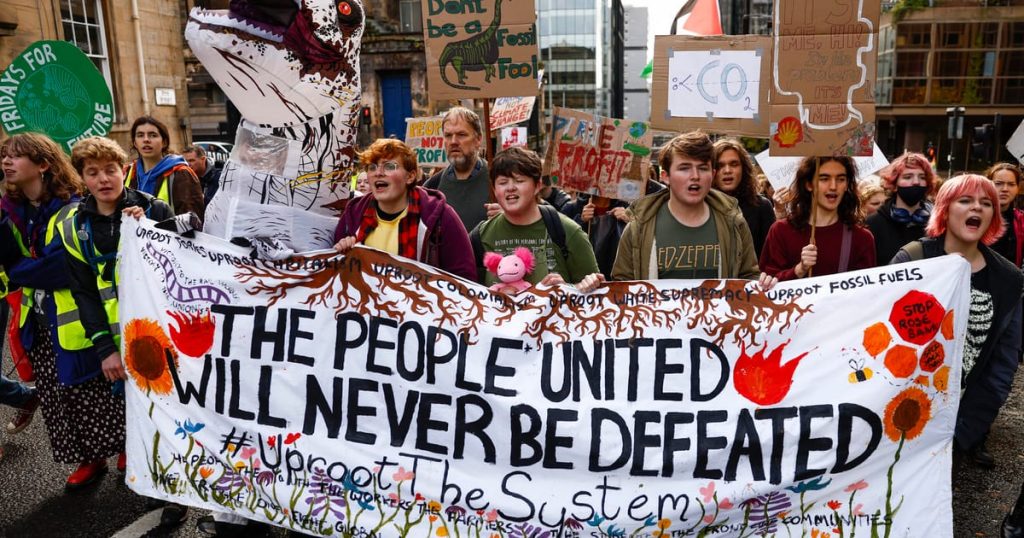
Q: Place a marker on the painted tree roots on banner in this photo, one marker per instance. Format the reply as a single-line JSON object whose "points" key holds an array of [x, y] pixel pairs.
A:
{"points": [[366, 395]]}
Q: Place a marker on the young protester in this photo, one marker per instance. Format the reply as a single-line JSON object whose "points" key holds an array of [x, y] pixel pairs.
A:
{"points": [[465, 181], [872, 196], [828, 205], [965, 222], [209, 175], [561, 250], [84, 420], [399, 217], [1007, 179], [687, 231], [159, 173], [734, 175], [910, 180], [91, 236]]}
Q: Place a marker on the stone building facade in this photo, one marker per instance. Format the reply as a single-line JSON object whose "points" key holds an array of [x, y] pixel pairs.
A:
{"points": [[106, 31]]}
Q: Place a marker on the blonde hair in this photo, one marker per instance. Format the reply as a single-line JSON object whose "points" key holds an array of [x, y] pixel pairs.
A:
{"points": [[97, 148]]}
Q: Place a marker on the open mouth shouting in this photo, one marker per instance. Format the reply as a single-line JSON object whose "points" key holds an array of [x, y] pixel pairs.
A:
{"points": [[973, 223]]}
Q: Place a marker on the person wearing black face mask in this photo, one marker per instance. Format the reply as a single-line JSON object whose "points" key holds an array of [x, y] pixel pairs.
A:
{"points": [[902, 218]]}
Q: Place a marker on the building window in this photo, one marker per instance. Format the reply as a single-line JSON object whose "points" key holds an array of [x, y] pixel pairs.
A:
{"points": [[411, 16], [918, 36], [84, 26]]}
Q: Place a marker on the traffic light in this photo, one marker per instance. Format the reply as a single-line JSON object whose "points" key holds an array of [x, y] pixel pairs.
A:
{"points": [[981, 141], [364, 116]]}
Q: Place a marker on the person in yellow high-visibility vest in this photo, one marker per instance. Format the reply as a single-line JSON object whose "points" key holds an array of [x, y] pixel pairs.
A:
{"points": [[91, 237], [160, 173], [84, 420]]}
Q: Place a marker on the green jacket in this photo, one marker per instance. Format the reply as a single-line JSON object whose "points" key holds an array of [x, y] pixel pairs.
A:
{"points": [[635, 258]]}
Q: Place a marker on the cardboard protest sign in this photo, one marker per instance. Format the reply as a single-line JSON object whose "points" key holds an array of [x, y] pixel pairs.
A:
{"points": [[368, 395], [426, 137], [781, 171], [1016, 143], [604, 156], [52, 87], [480, 48], [716, 84], [513, 136], [823, 73], [510, 111]]}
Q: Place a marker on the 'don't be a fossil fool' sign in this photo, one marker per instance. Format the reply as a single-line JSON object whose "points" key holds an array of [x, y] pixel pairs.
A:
{"points": [[480, 48]]}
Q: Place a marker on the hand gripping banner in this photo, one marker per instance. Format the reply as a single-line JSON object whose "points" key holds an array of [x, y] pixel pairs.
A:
{"points": [[366, 395]]}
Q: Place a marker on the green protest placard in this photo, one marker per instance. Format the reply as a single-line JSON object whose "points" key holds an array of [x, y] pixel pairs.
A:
{"points": [[54, 88]]}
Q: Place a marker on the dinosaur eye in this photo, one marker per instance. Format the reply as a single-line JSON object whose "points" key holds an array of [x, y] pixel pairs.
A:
{"points": [[345, 9]]}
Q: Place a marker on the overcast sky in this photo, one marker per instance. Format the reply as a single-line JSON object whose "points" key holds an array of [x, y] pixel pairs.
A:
{"points": [[659, 17]]}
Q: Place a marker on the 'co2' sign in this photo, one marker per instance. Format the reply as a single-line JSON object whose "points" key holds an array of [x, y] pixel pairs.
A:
{"points": [[727, 83]]}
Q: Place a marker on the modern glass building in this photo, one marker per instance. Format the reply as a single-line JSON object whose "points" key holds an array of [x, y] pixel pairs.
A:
{"points": [[571, 36]]}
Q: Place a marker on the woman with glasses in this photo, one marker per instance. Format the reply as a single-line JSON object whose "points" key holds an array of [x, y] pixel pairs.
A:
{"points": [[401, 218], [902, 218], [1006, 178]]}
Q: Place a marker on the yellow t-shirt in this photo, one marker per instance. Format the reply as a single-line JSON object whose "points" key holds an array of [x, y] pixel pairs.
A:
{"points": [[385, 235]]}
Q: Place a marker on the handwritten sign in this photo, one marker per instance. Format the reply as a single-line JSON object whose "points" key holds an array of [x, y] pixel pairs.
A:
{"points": [[781, 171], [513, 136], [510, 111], [481, 48], [426, 137], [717, 84], [598, 155], [366, 395], [823, 75]]}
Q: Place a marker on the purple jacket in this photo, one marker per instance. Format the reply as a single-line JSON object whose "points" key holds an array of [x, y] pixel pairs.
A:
{"points": [[442, 239]]}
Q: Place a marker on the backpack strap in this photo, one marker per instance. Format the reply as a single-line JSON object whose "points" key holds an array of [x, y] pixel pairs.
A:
{"points": [[478, 245], [844, 249], [556, 231], [915, 249]]}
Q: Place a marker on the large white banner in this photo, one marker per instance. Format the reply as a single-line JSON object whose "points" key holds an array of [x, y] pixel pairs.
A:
{"points": [[365, 395]]}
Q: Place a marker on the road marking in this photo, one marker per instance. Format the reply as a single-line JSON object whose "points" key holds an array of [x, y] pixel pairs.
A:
{"points": [[141, 526]]}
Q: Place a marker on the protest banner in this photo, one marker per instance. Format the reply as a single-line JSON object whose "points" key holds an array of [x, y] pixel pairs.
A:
{"points": [[475, 48], [604, 156], [52, 87], [510, 111], [717, 84], [426, 137], [366, 395], [513, 136], [781, 171], [823, 74]]}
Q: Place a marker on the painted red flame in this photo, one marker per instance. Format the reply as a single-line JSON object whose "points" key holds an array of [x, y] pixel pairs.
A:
{"points": [[764, 380], [193, 335]]}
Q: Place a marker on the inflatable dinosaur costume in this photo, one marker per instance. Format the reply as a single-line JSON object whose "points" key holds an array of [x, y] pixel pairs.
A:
{"points": [[292, 69]]}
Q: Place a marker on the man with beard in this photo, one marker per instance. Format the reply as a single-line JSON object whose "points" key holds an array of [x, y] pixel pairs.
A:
{"points": [[465, 182]]}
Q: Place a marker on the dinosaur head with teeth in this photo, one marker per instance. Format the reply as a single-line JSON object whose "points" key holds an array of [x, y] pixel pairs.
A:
{"points": [[282, 62]]}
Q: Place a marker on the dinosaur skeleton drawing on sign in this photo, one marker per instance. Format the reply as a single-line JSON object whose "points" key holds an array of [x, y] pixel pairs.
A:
{"points": [[292, 69]]}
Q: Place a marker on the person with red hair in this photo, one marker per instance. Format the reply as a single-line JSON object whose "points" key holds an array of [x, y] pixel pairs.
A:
{"points": [[965, 222], [909, 179], [1007, 178]]}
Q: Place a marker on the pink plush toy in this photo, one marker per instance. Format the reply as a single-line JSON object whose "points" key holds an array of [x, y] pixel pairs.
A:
{"points": [[511, 269]]}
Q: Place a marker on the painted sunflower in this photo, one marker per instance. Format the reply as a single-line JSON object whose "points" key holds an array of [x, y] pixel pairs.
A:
{"points": [[907, 414], [146, 352]]}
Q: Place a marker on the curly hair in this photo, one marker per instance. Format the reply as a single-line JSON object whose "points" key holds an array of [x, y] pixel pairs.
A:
{"points": [[390, 148], [801, 202], [747, 189], [868, 190], [890, 174], [60, 180], [97, 148], [967, 184]]}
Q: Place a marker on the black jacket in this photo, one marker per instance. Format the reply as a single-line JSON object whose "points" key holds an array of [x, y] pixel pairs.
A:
{"points": [[890, 236], [105, 235], [760, 218], [989, 382]]}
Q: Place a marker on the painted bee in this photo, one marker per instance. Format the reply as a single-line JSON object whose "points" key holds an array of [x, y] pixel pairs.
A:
{"points": [[860, 373]]}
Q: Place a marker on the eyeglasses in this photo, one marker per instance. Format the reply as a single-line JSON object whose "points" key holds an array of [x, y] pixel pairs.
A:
{"points": [[389, 166]]}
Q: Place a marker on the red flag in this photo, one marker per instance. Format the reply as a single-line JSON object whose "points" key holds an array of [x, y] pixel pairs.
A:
{"points": [[699, 17]]}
